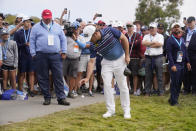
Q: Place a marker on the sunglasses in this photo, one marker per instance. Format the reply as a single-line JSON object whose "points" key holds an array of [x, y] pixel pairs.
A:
{"points": [[129, 25], [151, 27]]}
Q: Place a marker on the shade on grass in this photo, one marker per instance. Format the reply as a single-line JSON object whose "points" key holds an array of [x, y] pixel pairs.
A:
{"points": [[152, 113]]}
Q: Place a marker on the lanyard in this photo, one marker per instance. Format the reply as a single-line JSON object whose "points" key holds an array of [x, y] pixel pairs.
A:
{"points": [[151, 38], [178, 42], [26, 37], [4, 49], [46, 26]]}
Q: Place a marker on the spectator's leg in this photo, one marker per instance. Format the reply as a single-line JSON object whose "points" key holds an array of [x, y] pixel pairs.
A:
{"points": [[5, 79], [149, 75], [12, 74]]}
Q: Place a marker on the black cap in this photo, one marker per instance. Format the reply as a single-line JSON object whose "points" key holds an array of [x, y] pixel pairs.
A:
{"points": [[160, 25], [190, 19], [1, 15], [144, 27], [79, 20]]}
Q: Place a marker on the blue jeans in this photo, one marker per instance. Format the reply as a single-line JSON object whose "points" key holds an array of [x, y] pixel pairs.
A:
{"points": [[45, 62]]}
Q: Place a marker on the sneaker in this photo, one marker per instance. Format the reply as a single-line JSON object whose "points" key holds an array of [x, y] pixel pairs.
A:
{"points": [[91, 93], [75, 93], [63, 102], [127, 115], [71, 95], [135, 93], [138, 92], [46, 102], [108, 114], [79, 92]]}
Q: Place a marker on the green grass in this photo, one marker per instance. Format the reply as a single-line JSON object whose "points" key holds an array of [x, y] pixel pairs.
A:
{"points": [[153, 113]]}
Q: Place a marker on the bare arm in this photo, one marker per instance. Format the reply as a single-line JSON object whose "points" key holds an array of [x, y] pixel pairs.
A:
{"points": [[61, 18], [91, 64], [125, 45], [16, 28]]}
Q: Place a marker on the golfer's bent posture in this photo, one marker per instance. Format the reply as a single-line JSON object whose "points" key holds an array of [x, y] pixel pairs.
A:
{"points": [[114, 47]]}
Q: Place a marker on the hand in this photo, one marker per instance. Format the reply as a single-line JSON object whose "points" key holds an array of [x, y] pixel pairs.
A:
{"points": [[1, 63], [27, 44], [189, 66], [127, 59], [63, 55], [83, 81], [74, 37], [64, 11], [20, 24], [173, 68]]}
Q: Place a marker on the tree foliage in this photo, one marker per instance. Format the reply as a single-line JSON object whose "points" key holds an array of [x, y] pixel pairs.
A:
{"points": [[165, 11], [11, 18]]}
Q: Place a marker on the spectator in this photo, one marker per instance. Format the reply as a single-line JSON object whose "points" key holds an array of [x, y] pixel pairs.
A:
{"points": [[1, 22], [26, 64], [177, 55], [48, 47], [18, 25], [10, 59], [70, 64], [166, 77], [114, 63], [136, 55], [190, 44], [153, 58], [144, 30], [138, 26], [85, 56]]}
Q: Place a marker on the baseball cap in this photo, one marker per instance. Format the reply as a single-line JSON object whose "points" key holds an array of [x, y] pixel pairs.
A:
{"points": [[26, 18], [47, 14], [160, 25], [190, 19], [75, 24], [154, 25], [20, 15], [120, 24], [137, 22], [79, 20], [174, 24], [100, 22], [144, 27], [88, 32], [129, 23], [4, 32]]}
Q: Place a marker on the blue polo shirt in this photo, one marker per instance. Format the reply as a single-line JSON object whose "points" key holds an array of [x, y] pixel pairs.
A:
{"points": [[109, 46]]}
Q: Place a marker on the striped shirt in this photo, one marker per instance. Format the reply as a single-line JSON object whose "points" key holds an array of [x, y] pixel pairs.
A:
{"points": [[109, 46]]}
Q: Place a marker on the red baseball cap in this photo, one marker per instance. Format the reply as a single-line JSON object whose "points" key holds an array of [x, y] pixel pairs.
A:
{"points": [[46, 14], [101, 22]]}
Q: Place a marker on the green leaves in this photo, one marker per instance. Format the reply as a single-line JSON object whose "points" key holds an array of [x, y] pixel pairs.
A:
{"points": [[165, 11]]}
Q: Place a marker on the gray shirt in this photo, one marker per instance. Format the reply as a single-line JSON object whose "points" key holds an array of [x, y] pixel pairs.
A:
{"points": [[10, 53], [70, 49]]}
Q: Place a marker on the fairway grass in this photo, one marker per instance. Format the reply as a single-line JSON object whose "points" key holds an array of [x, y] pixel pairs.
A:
{"points": [[148, 114]]}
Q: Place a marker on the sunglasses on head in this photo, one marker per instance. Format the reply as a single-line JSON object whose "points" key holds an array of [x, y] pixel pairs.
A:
{"points": [[129, 25]]}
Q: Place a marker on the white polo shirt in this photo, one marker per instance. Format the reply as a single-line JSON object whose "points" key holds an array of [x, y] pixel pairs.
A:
{"points": [[154, 51]]}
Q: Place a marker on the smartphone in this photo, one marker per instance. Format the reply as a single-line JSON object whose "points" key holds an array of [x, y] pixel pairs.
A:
{"points": [[65, 8], [99, 15]]}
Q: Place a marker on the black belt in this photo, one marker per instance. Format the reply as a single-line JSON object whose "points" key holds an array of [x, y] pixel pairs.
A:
{"points": [[154, 56]]}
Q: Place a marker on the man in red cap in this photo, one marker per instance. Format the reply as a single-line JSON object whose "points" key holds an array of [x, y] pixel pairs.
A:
{"points": [[48, 46]]}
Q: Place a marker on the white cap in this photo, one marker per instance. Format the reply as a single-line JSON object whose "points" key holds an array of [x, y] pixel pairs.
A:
{"points": [[20, 15], [172, 26], [153, 25], [25, 18], [88, 32], [120, 24], [115, 24]]}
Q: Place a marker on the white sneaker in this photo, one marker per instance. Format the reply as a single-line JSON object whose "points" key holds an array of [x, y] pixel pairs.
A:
{"points": [[108, 114], [135, 93], [127, 115], [138, 92]]}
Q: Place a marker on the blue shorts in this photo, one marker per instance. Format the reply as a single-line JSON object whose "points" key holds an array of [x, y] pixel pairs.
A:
{"points": [[26, 65]]}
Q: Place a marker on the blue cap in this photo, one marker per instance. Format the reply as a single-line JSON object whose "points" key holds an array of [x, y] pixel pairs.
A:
{"points": [[75, 24], [4, 32]]}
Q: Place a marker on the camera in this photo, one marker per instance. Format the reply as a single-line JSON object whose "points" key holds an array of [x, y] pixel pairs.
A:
{"points": [[99, 15]]}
